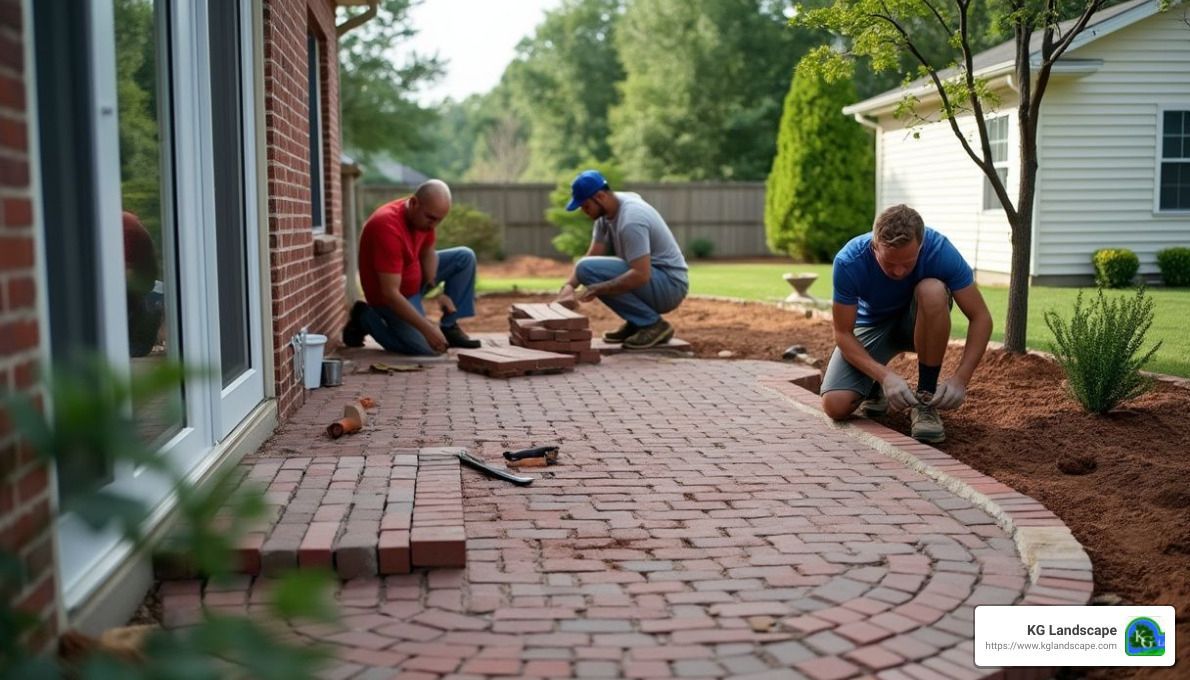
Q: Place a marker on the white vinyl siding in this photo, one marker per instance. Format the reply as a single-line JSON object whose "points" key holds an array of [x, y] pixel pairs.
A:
{"points": [[1099, 152], [931, 173]]}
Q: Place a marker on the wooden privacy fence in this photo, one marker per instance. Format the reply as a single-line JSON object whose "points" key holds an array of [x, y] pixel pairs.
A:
{"points": [[728, 214]]}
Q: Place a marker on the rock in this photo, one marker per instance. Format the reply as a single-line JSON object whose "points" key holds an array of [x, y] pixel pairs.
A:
{"points": [[1107, 599], [726, 353], [761, 624]]}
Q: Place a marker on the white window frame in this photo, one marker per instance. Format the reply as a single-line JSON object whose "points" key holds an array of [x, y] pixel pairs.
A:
{"points": [[87, 559], [1159, 159], [231, 404], [1005, 165]]}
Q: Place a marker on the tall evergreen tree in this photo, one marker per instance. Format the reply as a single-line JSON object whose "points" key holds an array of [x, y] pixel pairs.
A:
{"points": [[820, 191]]}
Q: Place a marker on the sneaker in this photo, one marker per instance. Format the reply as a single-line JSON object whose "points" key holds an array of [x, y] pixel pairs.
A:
{"points": [[924, 421], [353, 332], [622, 333], [876, 404], [650, 336], [455, 337]]}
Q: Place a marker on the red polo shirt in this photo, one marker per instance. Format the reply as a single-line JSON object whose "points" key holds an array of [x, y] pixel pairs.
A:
{"points": [[389, 245]]}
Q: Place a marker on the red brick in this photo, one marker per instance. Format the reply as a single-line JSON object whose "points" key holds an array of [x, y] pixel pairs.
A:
{"points": [[394, 552], [438, 547], [316, 546], [32, 484], [18, 212]]}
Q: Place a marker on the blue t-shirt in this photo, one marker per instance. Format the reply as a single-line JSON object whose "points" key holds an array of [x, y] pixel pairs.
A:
{"points": [[858, 279]]}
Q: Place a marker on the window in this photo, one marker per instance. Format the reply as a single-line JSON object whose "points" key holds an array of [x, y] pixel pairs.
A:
{"points": [[1174, 187], [998, 139], [314, 73]]}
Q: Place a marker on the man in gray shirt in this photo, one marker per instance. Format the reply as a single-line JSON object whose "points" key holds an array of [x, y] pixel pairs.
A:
{"points": [[634, 265]]}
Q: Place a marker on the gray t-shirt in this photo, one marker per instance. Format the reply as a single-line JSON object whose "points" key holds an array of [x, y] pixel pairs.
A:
{"points": [[640, 230]]}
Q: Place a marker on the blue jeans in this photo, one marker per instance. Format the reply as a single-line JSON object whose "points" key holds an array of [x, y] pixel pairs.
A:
{"points": [[643, 306], [456, 266]]}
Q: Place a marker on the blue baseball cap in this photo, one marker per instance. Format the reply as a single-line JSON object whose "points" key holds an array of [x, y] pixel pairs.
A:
{"points": [[587, 184]]}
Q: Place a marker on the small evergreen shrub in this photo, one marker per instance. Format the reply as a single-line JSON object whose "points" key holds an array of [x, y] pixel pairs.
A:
{"points": [[466, 225], [1174, 264], [1115, 267], [1099, 348], [701, 248]]}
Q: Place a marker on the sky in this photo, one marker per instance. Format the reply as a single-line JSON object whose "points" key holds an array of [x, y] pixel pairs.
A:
{"points": [[477, 38]]}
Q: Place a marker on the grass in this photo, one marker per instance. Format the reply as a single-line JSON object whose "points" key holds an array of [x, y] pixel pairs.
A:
{"points": [[762, 281]]}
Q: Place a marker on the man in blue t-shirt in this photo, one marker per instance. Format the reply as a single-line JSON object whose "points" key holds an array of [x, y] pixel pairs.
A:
{"points": [[893, 291]]}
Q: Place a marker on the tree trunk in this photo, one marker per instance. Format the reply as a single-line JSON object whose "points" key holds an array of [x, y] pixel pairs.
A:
{"points": [[1018, 282]]}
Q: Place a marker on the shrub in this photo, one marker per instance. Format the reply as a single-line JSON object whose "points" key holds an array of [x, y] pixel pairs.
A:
{"points": [[819, 192], [1174, 264], [1099, 349], [702, 248], [469, 226], [574, 227], [1115, 267], [93, 421]]}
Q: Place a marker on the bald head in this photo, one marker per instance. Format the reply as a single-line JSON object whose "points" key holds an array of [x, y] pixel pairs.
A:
{"points": [[429, 205]]}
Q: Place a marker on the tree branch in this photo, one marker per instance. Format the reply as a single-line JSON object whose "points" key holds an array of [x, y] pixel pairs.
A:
{"points": [[938, 85], [938, 15]]}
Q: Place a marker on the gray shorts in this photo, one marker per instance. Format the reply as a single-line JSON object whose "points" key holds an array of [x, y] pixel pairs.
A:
{"points": [[884, 341]]}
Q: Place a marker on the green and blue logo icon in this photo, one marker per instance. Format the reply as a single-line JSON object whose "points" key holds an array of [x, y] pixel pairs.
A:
{"points": [[1143, 637]]}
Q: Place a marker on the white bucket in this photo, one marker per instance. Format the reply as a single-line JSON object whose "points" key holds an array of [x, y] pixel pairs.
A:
{"points": [[314, 344]]}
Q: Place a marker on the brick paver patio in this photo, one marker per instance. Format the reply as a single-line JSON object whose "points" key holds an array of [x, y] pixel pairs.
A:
{"points": [[705, 522]]}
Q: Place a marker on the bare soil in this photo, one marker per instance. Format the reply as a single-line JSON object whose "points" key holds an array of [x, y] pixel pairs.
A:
{"points": [[1121, 482]]}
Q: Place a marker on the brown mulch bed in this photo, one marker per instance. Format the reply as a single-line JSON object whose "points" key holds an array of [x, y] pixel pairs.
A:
{"points": [[1121, 482]]}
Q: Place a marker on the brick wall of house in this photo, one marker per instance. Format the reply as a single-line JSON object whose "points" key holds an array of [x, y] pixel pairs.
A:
{"points": [[25, 527], [306, 273]]}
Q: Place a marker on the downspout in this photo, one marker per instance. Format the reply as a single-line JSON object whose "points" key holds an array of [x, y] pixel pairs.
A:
{"points": [[359, 19], [869, 123]]}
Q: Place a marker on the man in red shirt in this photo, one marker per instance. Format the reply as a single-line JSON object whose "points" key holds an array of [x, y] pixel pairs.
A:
{"points": [[398, 264]]}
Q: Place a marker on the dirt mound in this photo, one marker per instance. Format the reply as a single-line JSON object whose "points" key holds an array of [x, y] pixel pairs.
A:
{"points": [[525, 267]]}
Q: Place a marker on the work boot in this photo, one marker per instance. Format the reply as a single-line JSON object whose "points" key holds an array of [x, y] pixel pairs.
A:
{"points": [[353, 331], [876, 404], [455, 337], [650, 336], [924, 422], [621, 334]]}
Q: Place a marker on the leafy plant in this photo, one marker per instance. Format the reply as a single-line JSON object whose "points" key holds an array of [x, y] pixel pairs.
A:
{"points": [[702, 248], [575, 227], [1099, 349], [1174, 264], [466, 225], [1115, 267], [92, 420]]}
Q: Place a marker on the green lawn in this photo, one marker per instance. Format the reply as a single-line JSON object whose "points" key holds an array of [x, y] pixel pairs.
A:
{"points": [[762, 281]]}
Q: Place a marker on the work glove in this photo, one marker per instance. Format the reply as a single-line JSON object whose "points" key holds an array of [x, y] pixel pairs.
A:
{"points": [[950, 394], [897, 391]]}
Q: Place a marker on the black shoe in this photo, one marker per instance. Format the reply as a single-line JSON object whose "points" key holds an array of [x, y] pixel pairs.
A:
{"points": [[622, 333], [455, 337], [650, 336], [353, 332]]}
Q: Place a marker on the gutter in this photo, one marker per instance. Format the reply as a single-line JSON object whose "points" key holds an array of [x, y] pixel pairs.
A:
{"points": [[359, 19]]}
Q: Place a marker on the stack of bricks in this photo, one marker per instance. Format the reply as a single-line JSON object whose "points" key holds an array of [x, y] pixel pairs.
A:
{"points": [[438, 538], [552, 328], [397, 520], [509, 362], [358, 516]]}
